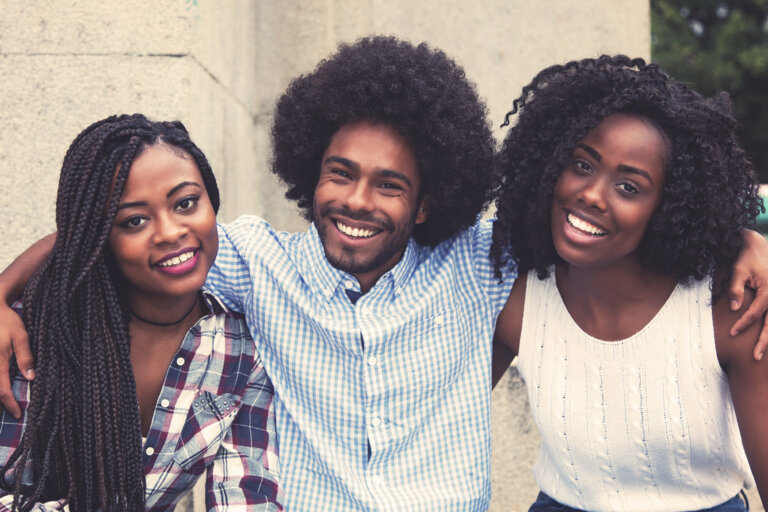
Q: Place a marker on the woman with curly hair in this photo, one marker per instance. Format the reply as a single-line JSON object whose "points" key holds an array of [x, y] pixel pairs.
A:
{"points": [[144, 381], [623, 193]]}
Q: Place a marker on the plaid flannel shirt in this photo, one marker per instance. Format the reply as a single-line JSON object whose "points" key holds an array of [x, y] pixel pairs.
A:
{"points": [[384, 403], [215, 412]]}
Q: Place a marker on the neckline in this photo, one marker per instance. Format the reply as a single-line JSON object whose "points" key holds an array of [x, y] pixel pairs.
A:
{"points": [[551, 280]]}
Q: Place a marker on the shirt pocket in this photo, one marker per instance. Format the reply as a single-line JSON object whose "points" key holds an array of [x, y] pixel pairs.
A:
{"points": [[208, 421], [436, 350]]}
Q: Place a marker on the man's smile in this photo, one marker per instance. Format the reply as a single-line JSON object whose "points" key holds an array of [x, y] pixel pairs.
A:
{"points": [[355, 232]]}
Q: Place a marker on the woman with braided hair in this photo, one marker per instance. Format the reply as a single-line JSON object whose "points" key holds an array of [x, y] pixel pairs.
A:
{"points": [[144, 380], [623, 193]]}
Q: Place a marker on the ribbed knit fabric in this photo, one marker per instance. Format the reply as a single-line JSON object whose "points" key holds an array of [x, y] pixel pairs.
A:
{"points": [[642, 424]]}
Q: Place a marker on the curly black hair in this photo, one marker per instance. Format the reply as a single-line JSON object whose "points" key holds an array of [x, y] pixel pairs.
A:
{"points": [[416, 90], [710, 191]]}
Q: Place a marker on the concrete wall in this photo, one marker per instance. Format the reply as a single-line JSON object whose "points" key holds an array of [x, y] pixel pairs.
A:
{"points": [[219, 66]]}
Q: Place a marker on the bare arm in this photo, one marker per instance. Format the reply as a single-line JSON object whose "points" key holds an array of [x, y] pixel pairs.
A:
{"points": [[506, 336], [13, 335], [748, 381], [751, 270]]}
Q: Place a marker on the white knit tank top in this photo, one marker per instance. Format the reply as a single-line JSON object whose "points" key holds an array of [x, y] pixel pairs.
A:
{"points": [[642, 424]]}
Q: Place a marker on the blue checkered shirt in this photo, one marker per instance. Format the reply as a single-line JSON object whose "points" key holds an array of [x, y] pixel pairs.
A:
{"points": [[383, 404]]}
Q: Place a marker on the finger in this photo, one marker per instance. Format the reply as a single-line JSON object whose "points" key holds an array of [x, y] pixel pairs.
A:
{"points": [[754, 313], [6, 394], [24, 359], [739, 280], [762, 341]]}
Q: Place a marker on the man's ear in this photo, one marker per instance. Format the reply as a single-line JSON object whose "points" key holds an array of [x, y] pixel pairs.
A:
{"points": [[423, 211]]}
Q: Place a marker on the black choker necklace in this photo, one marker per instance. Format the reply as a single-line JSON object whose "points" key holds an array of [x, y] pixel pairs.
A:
{"points": [[163, 324]]}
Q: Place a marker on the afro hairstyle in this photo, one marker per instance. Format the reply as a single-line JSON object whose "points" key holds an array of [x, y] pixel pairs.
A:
{"points": [[416, 90]]}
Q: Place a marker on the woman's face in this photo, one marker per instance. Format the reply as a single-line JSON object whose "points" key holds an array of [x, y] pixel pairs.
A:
{"points": [[164, 238], [606, 195]]}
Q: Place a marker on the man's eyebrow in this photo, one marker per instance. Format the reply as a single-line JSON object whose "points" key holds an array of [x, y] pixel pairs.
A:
{"points": [[380, 172], [389, 173], [343, 161]]}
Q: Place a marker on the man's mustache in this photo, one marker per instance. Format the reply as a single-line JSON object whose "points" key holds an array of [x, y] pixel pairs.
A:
{"points": [[361, 216]]}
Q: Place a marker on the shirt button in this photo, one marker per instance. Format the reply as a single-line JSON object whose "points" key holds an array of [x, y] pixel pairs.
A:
{"points": [[180, 361], [372, 361], [165, 402], [365, 310], [149, 450], [349, 284], [376, 480], [375, 422], [439, 320]]}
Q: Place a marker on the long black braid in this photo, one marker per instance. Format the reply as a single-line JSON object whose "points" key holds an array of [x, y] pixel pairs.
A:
{"points": [[83, 435]]}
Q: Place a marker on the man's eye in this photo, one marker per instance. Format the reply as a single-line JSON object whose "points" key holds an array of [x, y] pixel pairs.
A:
{"points": [[341, 173]]}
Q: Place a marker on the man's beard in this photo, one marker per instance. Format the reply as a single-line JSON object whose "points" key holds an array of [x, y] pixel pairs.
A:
{"points": [[395, 241]]}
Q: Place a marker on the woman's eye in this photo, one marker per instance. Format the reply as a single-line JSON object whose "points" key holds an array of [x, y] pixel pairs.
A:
{"points": [[582, 167], [628, 188], [133, 222], [187, 203]]}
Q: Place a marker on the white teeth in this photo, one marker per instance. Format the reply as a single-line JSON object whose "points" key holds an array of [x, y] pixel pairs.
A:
{"points": [[177, 260], [355, 232], [584, 225]]}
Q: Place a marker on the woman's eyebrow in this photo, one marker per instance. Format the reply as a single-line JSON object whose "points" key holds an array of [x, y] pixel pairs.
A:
{"points": [[592, 151], [181, 185]]}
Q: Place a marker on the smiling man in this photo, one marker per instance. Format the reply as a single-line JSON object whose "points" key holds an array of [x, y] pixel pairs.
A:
{"points": [[368, 199], [375, 325]]}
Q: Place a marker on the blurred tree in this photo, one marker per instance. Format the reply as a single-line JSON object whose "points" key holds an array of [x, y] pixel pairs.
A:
{"points": [[720, 46]]}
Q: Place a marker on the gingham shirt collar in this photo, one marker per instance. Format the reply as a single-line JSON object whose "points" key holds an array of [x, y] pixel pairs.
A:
{"points": [[321, 275]]}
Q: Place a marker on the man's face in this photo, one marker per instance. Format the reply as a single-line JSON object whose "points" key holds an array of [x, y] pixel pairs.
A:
{"points": [[367, 200]]}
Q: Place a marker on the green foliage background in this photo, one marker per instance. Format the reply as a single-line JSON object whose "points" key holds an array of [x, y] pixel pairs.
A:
{"points": [[720, 46]]}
